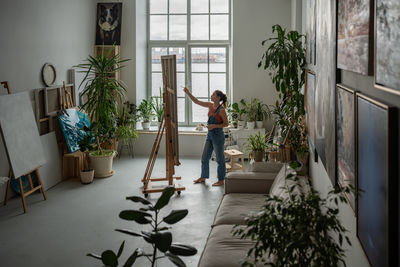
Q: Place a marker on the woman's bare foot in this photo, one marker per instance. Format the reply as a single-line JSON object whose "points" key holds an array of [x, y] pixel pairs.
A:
{"points": [[200, 180], [219, 183]]}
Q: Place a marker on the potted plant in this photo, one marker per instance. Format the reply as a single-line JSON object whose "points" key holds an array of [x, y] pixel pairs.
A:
{"points": [[232, 115], [302, 230], [125, 126], [238, 108], [257, 143], [159, 234], [158, 108], [251, 112], [300, 144], [263, 113], [102, 92], [146, 113], [85, 145]]}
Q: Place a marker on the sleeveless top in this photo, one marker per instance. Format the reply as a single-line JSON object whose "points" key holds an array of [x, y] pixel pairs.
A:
{"points": [[212, 111]]}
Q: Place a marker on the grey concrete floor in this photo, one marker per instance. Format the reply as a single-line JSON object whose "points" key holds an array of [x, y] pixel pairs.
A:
{"points": [[77, 219]]}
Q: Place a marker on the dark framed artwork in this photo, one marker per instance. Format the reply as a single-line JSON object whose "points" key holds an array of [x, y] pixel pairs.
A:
{"points": [[345, 135], [108, 23], [309, 95], [355, 41], [387, 45], [325, 142], [377, 181], [310, 32]]}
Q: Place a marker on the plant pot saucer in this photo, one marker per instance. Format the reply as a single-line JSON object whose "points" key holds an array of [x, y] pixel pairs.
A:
{"points": [[104, 175]]}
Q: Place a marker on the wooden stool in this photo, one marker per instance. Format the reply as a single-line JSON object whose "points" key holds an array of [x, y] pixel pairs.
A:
{"points": [[234, 154]]}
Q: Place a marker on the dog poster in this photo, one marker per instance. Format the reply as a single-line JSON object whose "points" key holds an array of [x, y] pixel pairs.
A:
{"points": [[108, 23]]}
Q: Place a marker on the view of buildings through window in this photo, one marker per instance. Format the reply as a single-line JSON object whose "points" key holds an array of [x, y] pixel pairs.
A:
{"points": [[197, 32]]}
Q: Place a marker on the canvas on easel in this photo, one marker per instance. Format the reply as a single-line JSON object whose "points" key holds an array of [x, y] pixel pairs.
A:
{"points": [[21, 139], [169, 126]]}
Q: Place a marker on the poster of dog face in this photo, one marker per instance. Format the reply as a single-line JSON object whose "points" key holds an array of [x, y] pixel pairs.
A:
{"points": [[108, 23]]}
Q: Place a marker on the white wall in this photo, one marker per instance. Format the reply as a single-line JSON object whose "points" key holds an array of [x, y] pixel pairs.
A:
{"points": [[252, 22], [141, 50]]}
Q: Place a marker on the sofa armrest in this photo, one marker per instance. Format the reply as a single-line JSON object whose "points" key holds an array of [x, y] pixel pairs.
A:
{"points": [[249, 182], [270, 167]]}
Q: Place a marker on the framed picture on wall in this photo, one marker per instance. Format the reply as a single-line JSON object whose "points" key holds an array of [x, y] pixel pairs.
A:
{"points": [[309, 94], [345, 135], [354, 37], [108, 23], [377, 181], [387, 46]]}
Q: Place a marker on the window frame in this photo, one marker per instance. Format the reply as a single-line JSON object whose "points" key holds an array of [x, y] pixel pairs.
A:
{"points": [[187, 45]]}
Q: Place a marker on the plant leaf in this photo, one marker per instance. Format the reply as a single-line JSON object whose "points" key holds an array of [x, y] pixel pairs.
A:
{"points": [[135, 215], [94, 256], [164, 198], [182, 250], [128, 232], [131, 260], [175, 216], [121, 248], [175, 260], [139, 199], [109, 258], [162, 240]]}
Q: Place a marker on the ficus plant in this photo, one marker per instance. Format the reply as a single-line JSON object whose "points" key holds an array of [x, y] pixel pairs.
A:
{"points": [[159, 236], [300, 230]]}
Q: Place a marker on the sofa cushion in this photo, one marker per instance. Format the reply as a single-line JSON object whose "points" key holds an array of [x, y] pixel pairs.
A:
{"points": [[235, 207], [223, 249], [268, 167]]}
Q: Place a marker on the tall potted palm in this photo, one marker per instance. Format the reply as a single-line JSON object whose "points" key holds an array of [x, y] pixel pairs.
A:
{"points": [[103, 93]]}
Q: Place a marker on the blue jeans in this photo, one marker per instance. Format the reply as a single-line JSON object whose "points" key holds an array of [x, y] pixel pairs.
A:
{"points": [[215, 141]]}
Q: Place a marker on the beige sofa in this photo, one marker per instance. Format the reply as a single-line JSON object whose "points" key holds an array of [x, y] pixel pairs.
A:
{"points": [[244, 194]]}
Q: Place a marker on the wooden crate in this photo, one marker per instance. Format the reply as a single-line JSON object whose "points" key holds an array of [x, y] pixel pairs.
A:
{"points": [[73, 164]]}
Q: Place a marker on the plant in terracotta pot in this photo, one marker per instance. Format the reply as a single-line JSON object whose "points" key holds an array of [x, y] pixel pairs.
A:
{"points": [[257, 144], [145, 110], [103, 93], [85, 145]]}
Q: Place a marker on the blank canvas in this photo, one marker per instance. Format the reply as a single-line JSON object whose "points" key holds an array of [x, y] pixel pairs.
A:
{"points": [[50, 173], [20, 133]]}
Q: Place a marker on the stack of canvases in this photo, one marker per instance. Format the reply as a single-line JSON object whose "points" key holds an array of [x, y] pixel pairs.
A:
{"points": [[366, 130]]}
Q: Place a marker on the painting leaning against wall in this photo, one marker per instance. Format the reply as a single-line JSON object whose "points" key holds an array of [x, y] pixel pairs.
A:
{"points": [[345, 133], [309, 97], [310, 32], [325, 86], [354, 36], [387, 46]]}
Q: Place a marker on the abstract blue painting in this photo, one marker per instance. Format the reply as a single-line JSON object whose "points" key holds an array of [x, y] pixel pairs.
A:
{"points": [[71, 122]]}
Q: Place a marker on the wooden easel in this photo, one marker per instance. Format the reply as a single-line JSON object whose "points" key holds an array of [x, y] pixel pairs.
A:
{"points": [[167, 126], [33, 189]]}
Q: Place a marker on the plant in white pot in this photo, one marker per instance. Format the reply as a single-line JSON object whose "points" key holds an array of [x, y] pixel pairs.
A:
{"points": [[158, 108], [145, 110], [102, 92], [263, 113], [238, 108], [251, 112]]}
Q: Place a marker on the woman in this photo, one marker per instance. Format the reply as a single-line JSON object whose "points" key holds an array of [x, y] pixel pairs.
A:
{"points": [[217, 120]]}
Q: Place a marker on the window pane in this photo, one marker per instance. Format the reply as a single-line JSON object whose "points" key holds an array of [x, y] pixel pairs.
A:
{"points": [[156, 53], [200, 84], [156, 83], [219, 27], [217, 82], [199, 113], [177, 6], [199, 27], [181, 110], [199, 60], [158, 27], [219, 6], [180, 57], [158, 6], [180, 82], [199, 6], [217, 59], [177, 27]]}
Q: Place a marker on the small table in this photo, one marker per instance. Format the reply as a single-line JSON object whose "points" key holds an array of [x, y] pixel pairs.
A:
{"points": [[234, 154]]}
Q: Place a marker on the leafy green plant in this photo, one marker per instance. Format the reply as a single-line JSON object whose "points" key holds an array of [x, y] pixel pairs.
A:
{"points": [[158, 106], [257, 142], [250, 108], [285, 59], [297, 231], [125, 125], [262, 111], [238, 109], [145, 110], [159, 236]]}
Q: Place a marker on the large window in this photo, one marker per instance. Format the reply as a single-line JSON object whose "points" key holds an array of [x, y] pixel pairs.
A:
{"points": [[198, 33]]}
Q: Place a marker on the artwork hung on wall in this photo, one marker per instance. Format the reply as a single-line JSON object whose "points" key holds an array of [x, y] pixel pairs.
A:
{"points": [[345, 133], [354, 51], [311, 32], [108, 23], [387, 45], [309, 104], [376, 180], [325, 86]]}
